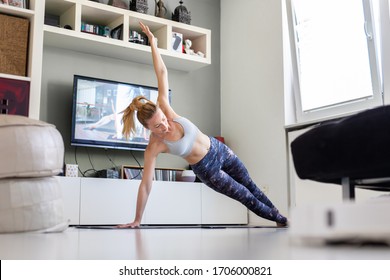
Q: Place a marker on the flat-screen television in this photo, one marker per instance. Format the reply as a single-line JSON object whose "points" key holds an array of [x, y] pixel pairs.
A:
{"points": [[97, 113]]}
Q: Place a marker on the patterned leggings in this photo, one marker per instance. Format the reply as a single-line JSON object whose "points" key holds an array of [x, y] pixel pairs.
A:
{"points": [[224, 172]]}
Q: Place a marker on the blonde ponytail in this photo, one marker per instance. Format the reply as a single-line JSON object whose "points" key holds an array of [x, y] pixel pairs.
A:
{"points": [[145, 110]]}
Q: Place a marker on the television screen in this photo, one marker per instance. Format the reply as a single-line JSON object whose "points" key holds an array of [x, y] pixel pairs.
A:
{"points": [[97, 113]]}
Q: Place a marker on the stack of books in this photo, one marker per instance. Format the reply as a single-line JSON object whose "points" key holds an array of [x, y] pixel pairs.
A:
{"points": [[161, 174]]}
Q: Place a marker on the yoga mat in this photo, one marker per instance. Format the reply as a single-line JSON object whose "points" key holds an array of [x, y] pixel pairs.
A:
{"points": [[174, 226]]}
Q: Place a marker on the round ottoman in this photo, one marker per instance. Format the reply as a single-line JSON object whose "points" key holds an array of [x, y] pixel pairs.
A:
{"points": [[31, 153], [30, 204], [29, 148]]}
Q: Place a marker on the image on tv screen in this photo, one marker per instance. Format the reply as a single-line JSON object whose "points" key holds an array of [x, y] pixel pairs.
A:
{"points": [[97, 113]]}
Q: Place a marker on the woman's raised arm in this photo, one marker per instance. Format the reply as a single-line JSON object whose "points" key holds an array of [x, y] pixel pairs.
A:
{"points": [[161, 74]]}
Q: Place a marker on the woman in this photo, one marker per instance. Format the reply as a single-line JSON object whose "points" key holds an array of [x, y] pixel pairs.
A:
{"points": [[212, 161]]}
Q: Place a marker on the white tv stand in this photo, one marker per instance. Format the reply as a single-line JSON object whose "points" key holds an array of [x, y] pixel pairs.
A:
{"points": [[98, 201]]}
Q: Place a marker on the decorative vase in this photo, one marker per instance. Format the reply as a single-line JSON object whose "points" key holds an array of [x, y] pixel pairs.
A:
{"points": [[181, 14], [140, 6]]}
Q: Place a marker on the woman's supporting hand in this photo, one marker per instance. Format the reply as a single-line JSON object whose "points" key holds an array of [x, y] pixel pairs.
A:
{"points": [[134, 224]]}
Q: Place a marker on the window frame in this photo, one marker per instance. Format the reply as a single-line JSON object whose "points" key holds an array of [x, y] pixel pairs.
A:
{"points": [[348, 107]]}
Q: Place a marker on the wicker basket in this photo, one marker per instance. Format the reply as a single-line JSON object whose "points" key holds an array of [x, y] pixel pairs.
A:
{"points": [[13, 45]]}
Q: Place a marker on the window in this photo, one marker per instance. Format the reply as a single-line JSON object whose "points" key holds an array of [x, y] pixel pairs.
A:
{"points": [[336, 69]]}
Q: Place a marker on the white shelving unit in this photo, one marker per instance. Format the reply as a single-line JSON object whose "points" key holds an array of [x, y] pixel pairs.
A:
{"points": [[35, 15], [74, 12]]}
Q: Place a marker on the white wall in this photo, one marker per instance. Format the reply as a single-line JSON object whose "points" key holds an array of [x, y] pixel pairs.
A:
{"points": [[252, 92]]}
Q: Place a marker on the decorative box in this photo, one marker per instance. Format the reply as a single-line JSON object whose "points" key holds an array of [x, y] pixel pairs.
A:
{"points": [[13, 45]]}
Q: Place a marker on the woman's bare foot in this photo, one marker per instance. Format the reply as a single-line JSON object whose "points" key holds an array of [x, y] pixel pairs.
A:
{"points": [[281, 225]]}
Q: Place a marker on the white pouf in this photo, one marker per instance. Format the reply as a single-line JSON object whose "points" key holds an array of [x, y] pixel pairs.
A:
{"points": [[31, 204], [29, 148]]}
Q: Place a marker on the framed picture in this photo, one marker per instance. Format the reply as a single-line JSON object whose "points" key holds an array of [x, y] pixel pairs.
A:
{"points": [[131, 172], [14, 97], [16, 3]]}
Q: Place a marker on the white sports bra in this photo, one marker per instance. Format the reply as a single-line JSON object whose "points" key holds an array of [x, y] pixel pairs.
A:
{"points": [[183, 146]]}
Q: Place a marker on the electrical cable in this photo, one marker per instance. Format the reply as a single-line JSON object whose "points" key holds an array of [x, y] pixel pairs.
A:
{"points": [[90, 161], [75, 159], [140, 167], [109, 158]]}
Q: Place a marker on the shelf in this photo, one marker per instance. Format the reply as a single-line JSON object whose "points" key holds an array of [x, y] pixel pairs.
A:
{"points": [[15, 11], [73, 12], [14, 77], [108, 47], [132, 172]]}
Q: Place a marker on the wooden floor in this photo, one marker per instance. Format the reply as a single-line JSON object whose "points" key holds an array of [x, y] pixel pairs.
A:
{"points": [[175, 244]]}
